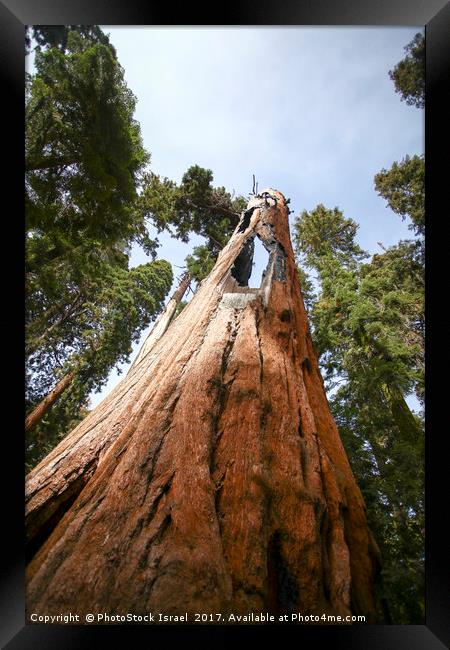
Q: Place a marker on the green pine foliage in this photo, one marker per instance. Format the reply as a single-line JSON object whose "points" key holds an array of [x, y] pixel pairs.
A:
{"points": [[85, 163], [409, 74], [96, 340], [57, 36], [367, 324], [403, 187], [84, 153], [201, 262], [181, 305], [307, 288], [193, 206], [323, 231]]}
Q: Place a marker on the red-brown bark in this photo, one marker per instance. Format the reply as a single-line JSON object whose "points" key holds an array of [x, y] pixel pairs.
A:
{"points": [[47, 402], [62, 474], [164, 319], [213, 478]]}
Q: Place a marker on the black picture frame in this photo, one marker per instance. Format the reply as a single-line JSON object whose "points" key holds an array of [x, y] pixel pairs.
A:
{"points": [[435, 16]]}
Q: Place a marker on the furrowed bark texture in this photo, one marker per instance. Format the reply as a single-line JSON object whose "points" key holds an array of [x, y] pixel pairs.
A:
{"points": [[164, 320], [213, 478]]}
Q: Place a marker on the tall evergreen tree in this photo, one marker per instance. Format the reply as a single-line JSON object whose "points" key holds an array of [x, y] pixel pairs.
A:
{"points": [[403, 188], [366, 329], [84, 153], [99, 339], [84, 165]]}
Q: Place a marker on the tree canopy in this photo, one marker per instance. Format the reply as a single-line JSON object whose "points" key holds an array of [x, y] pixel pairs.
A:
{"points": [[193, 206], [409, 74], [321, 233], [367, 324], [57, 36], [84, 152], [84, 166], [403, 187]]}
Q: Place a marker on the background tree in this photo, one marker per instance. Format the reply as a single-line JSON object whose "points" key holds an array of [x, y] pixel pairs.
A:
{"points": [[403, 187], [409, 74], [193, 206], [84, 162], [57, 36], [84, 153], [366, 330], [126, 302]]}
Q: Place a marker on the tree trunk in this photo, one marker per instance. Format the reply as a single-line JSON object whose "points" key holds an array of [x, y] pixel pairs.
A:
{"points": [[164, 320], [35, 343], [44, 405], [402, 415], [49, 162], [404, 419], [213, 478]]}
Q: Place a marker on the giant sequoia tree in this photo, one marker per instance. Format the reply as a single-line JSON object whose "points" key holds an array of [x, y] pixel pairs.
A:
{"points": [[213, 477]]}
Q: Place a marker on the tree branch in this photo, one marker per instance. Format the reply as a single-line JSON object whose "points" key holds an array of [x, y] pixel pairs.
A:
{"points": [[49, 162]]}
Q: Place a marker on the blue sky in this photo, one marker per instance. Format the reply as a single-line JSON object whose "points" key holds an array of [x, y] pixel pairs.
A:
{"points": [[310, 111]]}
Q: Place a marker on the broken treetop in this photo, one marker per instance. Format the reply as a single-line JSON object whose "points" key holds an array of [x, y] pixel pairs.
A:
{"points": [[258, 220]]}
